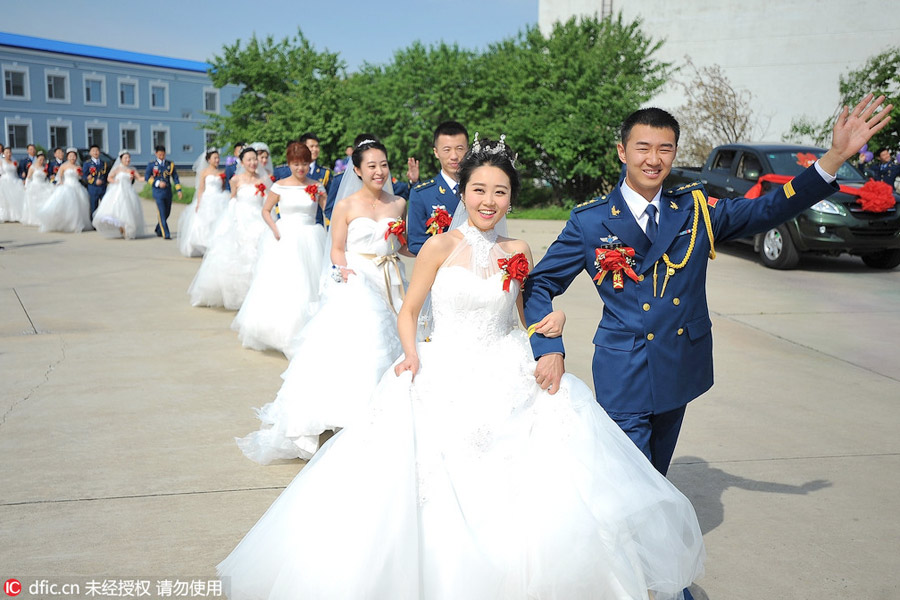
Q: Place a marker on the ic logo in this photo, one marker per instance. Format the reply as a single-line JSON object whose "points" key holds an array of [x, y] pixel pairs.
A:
{"points": [[12, 587]]}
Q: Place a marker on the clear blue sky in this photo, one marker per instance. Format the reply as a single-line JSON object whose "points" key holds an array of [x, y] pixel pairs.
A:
{"points": [[359, 30]]}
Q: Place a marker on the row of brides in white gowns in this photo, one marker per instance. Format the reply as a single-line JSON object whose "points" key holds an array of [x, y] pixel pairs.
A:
{"points": [[468, 481]]}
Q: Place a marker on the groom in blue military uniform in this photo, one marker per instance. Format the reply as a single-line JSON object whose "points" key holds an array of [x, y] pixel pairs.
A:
{"points": [[161, 174], [646, 248], [451, 141], [94, 173]]}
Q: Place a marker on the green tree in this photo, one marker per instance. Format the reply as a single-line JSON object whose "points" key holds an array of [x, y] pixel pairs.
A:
{"points": [[287, 88], [879, 75], [561, 98]]}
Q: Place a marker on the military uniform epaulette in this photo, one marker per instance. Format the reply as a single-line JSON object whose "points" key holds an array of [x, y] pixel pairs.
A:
{"points": [[684, 189], [598, 201], [425, 184]]}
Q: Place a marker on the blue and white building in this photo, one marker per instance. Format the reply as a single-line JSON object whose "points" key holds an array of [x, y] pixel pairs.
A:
{"points": [[64, 94]]}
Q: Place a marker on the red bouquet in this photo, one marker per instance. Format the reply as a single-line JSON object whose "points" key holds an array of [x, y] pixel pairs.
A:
{"points": [[515, 267], [616, 260], [222, 175], [876, 196], [15, 163], [439, 222], [261, 189], [398, 228], [312, 190], [272, 177], [78, 170]]}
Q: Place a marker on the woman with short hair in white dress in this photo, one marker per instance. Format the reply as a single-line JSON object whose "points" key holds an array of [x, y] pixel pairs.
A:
{"points": [[284, 293]]}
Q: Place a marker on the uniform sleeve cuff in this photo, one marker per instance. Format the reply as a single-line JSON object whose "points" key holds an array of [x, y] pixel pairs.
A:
{"points": [[824, 174]]}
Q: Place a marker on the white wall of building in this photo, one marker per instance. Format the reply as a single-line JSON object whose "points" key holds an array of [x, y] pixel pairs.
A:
{"points": [[789, 55]]}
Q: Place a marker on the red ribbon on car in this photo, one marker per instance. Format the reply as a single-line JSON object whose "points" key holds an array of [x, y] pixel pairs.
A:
{"points": [[874, 196]]}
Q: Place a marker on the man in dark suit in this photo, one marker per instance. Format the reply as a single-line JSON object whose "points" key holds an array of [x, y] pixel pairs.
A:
{"points": [[646, 248], [161, 175], [94, 174], [59, 158], [25, 162], [451, 141]]}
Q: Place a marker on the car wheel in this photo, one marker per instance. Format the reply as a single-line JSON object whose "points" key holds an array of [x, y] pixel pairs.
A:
{"points": [[777, 250], [885, 259]]}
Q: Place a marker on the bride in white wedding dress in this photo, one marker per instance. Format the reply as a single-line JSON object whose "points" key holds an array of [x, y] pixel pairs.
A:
{"points": [[465, 480]]}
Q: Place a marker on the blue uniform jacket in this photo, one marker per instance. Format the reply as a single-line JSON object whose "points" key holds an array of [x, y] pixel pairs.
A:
{"points": [[165, 173], [99, 177], [422, 201], [229, 173], [53, 167], [24, 165], [654, 353]]}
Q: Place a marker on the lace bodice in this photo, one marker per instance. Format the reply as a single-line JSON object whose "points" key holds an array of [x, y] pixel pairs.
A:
{"points": [[467, 295], [294, 202], [7, 168], [123, 177], [366, 236]]}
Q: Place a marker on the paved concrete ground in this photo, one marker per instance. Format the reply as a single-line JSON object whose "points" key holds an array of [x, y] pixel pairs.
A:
{"points": [[119, 402]]}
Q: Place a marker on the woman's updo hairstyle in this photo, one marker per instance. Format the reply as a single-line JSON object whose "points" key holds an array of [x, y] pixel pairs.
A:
{"points": [[367, 144], [297, 152], [490, 153], [210, 153], [246, 150]]}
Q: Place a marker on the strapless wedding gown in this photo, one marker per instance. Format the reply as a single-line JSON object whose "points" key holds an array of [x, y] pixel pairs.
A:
{"points": [[284, 293], [68, 208], [341, 353], [471, 482], [225, 273], [37, 191], [196, 225], [120, 213]]}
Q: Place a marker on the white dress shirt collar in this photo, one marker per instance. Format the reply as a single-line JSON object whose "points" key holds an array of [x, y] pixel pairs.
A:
{"points": [[637, 204]]}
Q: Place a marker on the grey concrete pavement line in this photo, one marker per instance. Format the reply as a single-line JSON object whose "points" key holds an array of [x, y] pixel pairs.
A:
{"points": [[119, 416]]}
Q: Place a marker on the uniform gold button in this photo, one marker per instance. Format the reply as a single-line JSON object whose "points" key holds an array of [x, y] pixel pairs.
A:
{"points": [[646, 306], [670, 271], [640, 277], [676, 301], [650, 336], [680, 331]]}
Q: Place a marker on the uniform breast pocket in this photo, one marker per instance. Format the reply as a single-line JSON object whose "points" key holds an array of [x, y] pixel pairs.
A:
{"points": [[614, 340], [699, 327]]}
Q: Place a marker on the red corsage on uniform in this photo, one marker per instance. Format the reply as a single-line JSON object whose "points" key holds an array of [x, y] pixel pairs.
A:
{"points": [[617, 261], [439, 222], [515, 267]]}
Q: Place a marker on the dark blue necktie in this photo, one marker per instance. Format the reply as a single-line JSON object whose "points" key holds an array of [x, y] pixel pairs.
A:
{"points": [[652, 227]]}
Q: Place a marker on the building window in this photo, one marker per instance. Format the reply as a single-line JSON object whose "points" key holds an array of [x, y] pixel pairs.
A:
{"points": [[211, 100], [95, 90], [159, 136], [209, 140], [131, 138], [159, 95], [57, 86], [18, 134], [128, 96], [15, 83], [60, 134], [95, 133]]}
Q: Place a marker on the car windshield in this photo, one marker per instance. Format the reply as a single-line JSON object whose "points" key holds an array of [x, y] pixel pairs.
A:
{"points": [[793, 163]]}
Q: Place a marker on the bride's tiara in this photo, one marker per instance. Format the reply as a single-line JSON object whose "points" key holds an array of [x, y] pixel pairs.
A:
{"points": [[364, 142], [491, 147]]}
